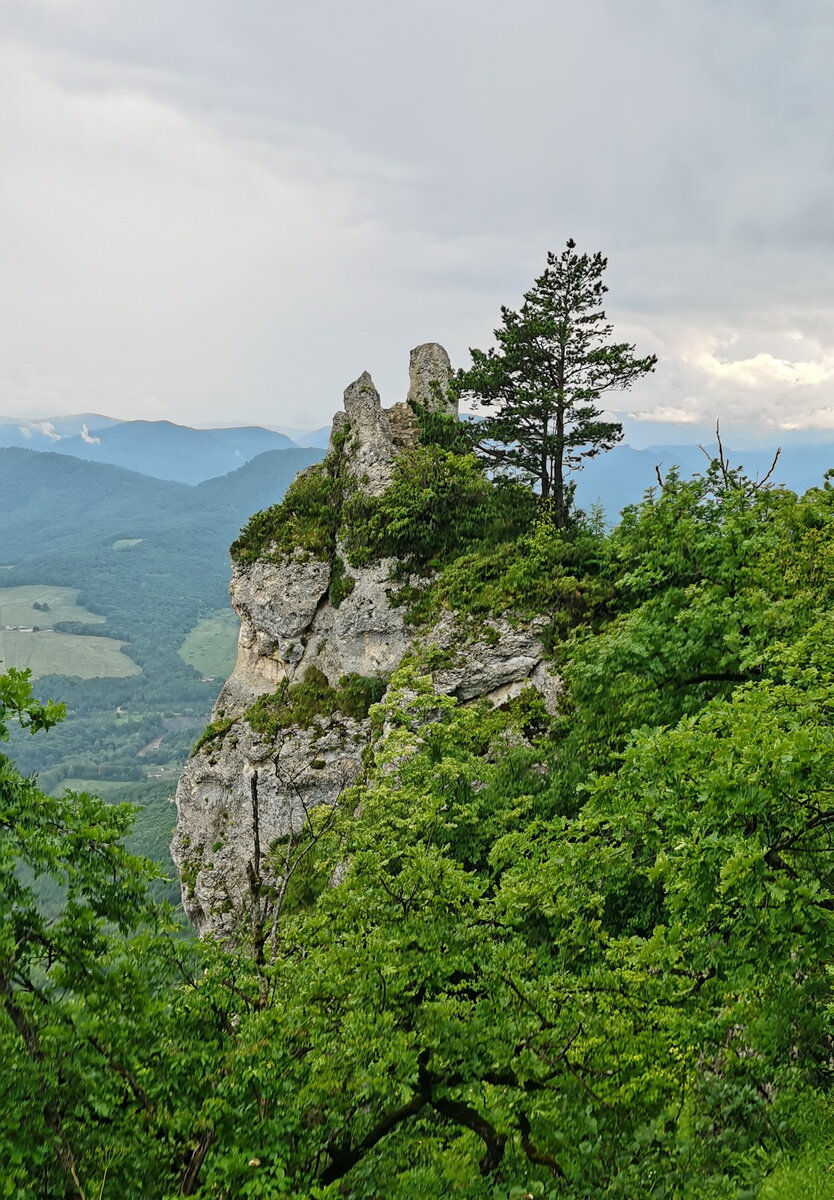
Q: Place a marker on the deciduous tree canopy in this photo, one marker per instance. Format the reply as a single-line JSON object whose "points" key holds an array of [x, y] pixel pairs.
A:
{"points": [[577, 957]]}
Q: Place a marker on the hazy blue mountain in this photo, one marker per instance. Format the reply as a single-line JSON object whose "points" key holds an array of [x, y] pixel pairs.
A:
{"points": [[621, 476], [168, 451], [257, 484], [315, 437], [52, 500], [150, 556], [158, 448], [54, 504], [305, 437], [44, 433]]}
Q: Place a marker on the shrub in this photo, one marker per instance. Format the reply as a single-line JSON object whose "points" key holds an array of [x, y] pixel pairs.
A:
{"points": [[217, 729], [307, 518], [545, 571], [341, 584], [301, 703], [438, 505]]}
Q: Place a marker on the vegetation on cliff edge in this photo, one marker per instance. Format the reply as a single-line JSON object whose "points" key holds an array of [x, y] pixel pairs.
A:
{"points": [[577, 957]]}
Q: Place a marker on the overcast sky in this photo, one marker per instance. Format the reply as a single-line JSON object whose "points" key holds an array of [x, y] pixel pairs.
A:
{"points": [[222, 211]]}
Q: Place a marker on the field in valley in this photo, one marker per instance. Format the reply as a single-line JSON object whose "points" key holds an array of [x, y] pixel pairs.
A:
{"points": [[210, 646], [49, 653], [17, 606]]}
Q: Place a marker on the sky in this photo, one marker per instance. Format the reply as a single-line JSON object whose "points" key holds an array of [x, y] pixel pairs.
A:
{"points": [[223, 211]]}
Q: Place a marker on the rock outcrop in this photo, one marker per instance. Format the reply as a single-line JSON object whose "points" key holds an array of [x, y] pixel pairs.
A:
{"points": [[429, 376], [289, 624]]}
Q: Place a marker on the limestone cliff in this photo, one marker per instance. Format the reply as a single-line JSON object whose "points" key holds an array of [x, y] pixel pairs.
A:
{"points": [[297, 624]]}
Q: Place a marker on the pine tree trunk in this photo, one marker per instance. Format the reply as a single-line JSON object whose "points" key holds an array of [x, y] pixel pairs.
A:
{"points": [[559, 514]]}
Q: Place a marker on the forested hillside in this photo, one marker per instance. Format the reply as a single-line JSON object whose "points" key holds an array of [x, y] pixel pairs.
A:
{"points": [[579, 956], [147, 562]]}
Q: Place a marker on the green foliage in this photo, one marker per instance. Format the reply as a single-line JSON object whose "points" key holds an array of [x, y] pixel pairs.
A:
{"points": [[438, 428], [696, 586], [18, 704], [303, 703], [341, 584], [438, 505], [72, 1001], [544, 571], [554, 361], [581, 957], [307, 518], [807, 1173], [214, 731]]}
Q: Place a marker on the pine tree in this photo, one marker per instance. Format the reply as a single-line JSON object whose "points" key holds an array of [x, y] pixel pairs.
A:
{"points": [[554, 360]]}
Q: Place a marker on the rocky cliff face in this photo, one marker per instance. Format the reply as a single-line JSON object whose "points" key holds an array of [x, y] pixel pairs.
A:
{"points": [[293, 628]]}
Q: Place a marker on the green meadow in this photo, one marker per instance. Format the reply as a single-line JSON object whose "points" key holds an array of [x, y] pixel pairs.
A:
{"points": [[210, 647], [17, 606], [49, 653]]}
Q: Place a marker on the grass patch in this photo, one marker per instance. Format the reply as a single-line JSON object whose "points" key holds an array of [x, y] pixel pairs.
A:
{"points": [[211, 646], [50, 653], [301, 703], [213, 731], [17, 607]]}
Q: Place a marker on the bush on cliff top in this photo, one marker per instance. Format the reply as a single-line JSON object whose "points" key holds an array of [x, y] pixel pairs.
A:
{"points": [[488, 542], [439, 505], [307, 519]]}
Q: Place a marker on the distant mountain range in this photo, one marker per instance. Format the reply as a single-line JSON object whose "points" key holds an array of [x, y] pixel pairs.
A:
{"points": [[165, 451], [623, 475], [157, 448]]}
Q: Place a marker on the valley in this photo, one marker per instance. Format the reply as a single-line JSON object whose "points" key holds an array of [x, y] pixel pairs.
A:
{"points": [[115, 596]]}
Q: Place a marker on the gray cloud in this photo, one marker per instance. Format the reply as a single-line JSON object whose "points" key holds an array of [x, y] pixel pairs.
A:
{"points": [[216, 211]]}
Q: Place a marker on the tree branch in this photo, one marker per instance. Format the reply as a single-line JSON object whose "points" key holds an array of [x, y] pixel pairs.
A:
{"points": [[192, 1171], [462, 1114], [344, 1158], [535, 1155]]}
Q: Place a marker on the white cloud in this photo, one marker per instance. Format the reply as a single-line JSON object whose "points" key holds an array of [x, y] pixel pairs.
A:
{"points": [[676, 416], [215, 211], [179, 263], [88, 438], [47, 429], [816, 418], [764, 369]]}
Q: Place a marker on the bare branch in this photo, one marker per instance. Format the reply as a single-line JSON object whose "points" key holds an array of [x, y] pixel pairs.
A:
{"points": [[761, 483]]}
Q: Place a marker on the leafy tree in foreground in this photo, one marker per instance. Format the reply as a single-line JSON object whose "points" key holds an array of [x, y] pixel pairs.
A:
{"points": [[582, 986], [82, 995], [555, 359]]}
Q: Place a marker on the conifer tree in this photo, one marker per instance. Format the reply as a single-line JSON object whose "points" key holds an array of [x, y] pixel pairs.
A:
{"points": [[554, 360]]}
